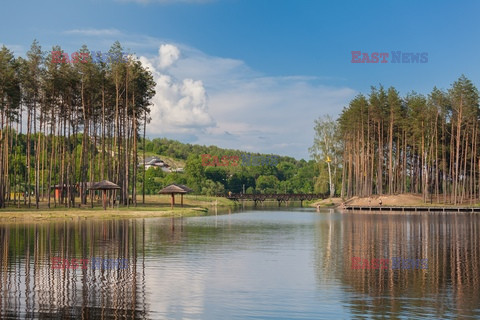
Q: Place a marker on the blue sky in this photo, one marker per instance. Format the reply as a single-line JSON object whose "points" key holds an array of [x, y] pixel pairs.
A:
{"points": [[253, 75]]}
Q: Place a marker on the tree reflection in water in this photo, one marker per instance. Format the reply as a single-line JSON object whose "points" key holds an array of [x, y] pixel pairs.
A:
{"points": [[31, 288], [451, 243]]}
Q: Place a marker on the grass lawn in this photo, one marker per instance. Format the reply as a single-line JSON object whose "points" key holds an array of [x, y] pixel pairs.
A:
{"points": [[155, 206]]}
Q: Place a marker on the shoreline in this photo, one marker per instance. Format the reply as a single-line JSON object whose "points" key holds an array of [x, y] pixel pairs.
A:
{"points": [[409, 209], [154, 207], [43, 215], [398, 202]]}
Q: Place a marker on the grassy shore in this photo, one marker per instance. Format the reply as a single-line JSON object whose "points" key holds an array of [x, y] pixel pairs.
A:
{"points": [[155, 206]]}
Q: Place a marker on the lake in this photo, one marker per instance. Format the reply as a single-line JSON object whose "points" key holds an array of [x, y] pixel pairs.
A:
{"points": [[253, 264]]}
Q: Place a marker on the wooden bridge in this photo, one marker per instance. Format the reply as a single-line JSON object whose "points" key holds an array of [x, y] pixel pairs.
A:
{"points": [[280, 197]]}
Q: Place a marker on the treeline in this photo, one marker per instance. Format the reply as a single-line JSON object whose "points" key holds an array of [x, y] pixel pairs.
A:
{"points": [[176, 149], [420, 144], [69, 124], [288, 176]]}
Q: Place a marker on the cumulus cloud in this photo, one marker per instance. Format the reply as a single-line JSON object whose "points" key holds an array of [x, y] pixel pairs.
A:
{"points": [[222, 101], [179, 105], [243, 109], [167, 55]]}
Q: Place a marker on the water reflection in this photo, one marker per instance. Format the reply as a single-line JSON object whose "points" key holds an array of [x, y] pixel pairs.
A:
{"points": [[448, 288], [31, 288], [264, 264]]}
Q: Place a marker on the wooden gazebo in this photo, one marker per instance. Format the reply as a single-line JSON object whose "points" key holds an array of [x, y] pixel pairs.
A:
{"points": [[104, 185], [174, 188]]}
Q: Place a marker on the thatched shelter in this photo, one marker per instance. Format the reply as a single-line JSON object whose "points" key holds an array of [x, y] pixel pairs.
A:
{"points": [[104, 185], [173, 189]]}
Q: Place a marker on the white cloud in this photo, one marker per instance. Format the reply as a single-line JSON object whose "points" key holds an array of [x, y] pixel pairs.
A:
{"points": [[222, 101], [94, 32], [179, 106], [244, 110], [167, 55], [273, 114]]}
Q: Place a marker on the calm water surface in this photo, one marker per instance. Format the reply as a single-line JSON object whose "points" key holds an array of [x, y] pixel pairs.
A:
{"points": [[273, 264]]}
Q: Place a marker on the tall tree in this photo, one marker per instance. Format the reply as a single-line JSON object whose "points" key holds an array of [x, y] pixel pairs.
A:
{"points": [[9, 108], [326, 148], [426, 145]]}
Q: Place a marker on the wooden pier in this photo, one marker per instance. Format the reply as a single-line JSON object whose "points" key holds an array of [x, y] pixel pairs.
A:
{"points": [[280, 197], [411, 209]]}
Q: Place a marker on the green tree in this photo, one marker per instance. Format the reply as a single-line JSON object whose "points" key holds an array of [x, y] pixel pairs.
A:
{"points": [[212, 188], [195, 172], [327, 149], [267, 184], [216, 174]]}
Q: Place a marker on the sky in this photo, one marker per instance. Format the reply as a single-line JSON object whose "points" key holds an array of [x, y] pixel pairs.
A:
{"points": [[254, 75]]}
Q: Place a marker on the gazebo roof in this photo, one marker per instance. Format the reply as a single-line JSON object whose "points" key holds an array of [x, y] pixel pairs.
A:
{"points": [[104, 185], [175, 188]]}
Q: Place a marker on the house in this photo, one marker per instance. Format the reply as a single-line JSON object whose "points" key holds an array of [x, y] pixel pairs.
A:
{"points": [[154, 162]]}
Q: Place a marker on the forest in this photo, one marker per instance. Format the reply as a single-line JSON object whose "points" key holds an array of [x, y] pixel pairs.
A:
{"points": [[287, 176], [69, 124], [387, 144]]}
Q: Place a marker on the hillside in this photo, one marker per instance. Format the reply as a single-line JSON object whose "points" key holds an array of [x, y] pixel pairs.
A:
{"points": [[175, 153], [285, 175]]}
